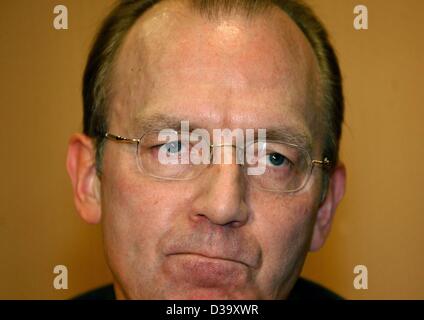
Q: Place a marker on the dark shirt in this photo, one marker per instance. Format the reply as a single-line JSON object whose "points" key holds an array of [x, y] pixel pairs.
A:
{"points": [[303, 290]]}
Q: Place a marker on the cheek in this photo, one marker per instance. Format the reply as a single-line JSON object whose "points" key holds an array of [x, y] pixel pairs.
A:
{"points": [[284, 231], [136, 212], [134, 207], [129, 213]]}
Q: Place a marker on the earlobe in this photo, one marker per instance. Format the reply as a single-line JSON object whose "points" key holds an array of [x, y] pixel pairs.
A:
{"points": [[327, 208], [81, 166]]}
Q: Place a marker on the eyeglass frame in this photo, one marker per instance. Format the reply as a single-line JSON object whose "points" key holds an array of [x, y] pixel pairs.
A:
{"points": [[325, 163]]}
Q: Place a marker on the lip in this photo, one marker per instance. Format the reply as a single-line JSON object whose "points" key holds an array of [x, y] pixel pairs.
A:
{"points": [[212, 257], [230, 248], [200, 270]]}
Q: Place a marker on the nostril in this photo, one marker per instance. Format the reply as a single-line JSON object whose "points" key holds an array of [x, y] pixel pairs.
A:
{"points": [[236, 224], [199, 217]]}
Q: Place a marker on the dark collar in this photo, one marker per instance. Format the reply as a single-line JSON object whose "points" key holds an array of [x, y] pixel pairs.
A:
{"points": [[303, 290]]}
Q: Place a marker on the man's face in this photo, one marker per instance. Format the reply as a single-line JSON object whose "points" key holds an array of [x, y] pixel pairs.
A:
{"points": [[215, 236]]}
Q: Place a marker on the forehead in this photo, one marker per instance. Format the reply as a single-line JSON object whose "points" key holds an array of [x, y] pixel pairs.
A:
{"points": [[227, 72]]}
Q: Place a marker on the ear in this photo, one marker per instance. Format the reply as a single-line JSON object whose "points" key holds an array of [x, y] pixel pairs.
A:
{"points": [[324, 219], [81, 166]]}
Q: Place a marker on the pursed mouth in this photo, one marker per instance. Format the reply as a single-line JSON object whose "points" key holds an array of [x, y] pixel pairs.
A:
{"points": [[211, 257]]}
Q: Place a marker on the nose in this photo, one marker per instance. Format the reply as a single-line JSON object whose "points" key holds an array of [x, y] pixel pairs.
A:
{"points": [[221, 198]]}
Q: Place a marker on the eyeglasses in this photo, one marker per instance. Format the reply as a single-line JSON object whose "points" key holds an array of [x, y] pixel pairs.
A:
{"points": [[286, 167]]}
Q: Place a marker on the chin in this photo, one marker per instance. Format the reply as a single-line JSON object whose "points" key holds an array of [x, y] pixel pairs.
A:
{"points": [[211, 294]]}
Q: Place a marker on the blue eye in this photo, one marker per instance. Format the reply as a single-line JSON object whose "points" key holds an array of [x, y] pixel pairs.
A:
{"points": [[173, 147], [276, 159]]}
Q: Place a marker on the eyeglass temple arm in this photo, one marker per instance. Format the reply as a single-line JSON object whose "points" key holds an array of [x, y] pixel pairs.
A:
{"points": [[322, 163], [113, 137]]}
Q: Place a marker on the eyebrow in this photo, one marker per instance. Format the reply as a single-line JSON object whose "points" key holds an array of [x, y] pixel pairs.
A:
{"points": [[290, 135], [158, 121]]}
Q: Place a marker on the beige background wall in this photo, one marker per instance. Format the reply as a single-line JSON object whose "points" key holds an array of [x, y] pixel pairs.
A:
{"points": [[379, 224]]}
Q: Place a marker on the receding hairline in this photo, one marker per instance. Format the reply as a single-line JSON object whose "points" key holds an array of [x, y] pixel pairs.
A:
{"points": [[217, 11]]}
